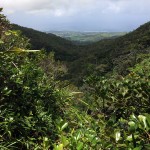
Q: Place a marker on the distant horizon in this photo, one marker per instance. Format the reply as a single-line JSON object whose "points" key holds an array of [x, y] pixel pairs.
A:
{"points": [[85, 31], [73, 30], [82, 31], [65, 30]]}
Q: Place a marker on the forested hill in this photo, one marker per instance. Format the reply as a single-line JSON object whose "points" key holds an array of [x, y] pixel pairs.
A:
{"points": [[138, 39], [64, 49], [101, 57], [108, 111], [119, 54]]}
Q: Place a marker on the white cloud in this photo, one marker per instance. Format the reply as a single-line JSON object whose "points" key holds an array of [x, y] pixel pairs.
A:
{"points": [[82, 13], [59, 13], [70, 7], [55, 6]]}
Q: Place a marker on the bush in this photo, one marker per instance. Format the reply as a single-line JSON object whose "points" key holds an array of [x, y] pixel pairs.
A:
{"points": [[30, 99]]}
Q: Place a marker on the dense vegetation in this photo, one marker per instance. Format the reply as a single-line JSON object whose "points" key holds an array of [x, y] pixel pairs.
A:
{"points": [[109, 112], [64, 49], [101, 57]]}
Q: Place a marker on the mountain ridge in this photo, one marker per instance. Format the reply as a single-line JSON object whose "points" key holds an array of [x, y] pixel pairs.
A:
{"points": [[103, 56], [49, 42]]}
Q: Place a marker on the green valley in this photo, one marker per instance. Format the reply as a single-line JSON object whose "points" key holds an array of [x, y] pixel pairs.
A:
{"points": [[57, 95], [103, 56], [83, 38]]}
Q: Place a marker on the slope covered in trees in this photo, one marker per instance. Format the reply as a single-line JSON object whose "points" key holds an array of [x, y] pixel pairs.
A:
{"points": [[101, 57], [37, 111], [113, 55], [64, 49]]}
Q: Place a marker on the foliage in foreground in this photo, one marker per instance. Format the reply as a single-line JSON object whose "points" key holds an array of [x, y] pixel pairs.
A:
{"points": [[116, 114], [38, 112], [30, 97]]}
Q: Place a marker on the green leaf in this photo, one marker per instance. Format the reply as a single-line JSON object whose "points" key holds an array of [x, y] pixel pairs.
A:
{"points": [[79, 146], [129, 138], [59, 147], [138, 148], [1, 42], [16, 49], [147, 146], [64, 126], [132, 126], [117, 136], [143, 120], [121, 145], [7, 33], [148, 119], [64, 141]]}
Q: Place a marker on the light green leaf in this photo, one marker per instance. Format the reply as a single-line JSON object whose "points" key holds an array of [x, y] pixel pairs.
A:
{"points": [[117, 136], [138, 148], [1, 42], [79, 146], [64, 126], [143, 119]]}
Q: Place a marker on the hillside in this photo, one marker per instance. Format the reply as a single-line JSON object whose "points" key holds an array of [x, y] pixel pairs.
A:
{"points": [[114, 54], [109, 111], [64, 49], [138, 39], [101, 57]]}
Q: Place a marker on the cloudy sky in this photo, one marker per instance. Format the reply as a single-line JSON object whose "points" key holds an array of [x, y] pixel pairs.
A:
{"points": [[78, 15]]}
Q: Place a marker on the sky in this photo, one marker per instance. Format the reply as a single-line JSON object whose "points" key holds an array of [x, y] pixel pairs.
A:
{"points": [[78, 15]]}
